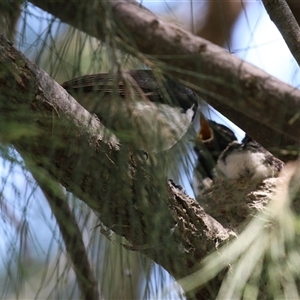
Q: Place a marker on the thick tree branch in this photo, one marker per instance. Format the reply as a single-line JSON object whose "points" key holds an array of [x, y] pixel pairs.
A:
{"points": [[283, 18], [75, 149], [234, 87]]}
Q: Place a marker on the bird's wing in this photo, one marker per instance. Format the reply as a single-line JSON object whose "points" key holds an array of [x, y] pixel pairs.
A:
{"points": [[137, 100]]}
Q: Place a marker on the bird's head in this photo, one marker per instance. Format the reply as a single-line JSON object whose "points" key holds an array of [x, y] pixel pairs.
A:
{"points": [[213, 137]]}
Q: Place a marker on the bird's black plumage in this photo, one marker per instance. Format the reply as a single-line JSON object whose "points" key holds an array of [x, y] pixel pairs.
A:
{"points": [[150, 110], [164, 90]]}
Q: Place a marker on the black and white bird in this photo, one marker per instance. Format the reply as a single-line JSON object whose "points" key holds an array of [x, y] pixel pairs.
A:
{"points": [[139, 108], [221, 156], [247, 160]]}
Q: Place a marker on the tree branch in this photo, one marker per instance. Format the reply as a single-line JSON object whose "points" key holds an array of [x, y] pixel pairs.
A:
{"points": [[295, 8], [283, 18], [77, 151], [235, 88]]}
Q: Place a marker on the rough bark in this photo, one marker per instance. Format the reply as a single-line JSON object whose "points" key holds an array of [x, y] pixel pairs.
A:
{"points": [[236, 88], [76, 150], [295, 8]]}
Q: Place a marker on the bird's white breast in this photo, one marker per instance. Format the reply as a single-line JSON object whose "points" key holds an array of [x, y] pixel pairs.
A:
{"points": [[151, 126], [244, 164], [160, 125]]}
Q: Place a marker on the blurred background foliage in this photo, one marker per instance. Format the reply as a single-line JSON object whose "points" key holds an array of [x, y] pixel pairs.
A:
{"points": [[34, 263]]}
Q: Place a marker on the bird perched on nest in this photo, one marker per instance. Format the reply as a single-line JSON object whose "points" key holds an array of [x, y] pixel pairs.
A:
{"points": [[139, 108], [247, 160], [221, 156]]}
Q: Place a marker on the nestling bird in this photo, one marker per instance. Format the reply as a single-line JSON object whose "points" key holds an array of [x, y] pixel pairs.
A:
{"points": [[211, 140], [247, 160], [221, 156], [139, 108]]}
